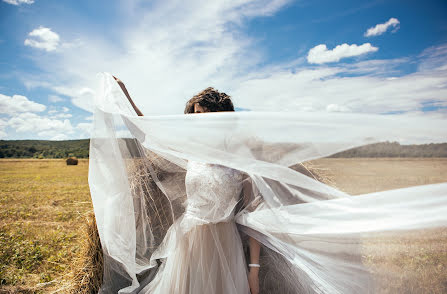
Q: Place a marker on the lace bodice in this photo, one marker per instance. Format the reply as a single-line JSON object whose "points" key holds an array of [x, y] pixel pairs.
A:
{"points": [[213, 191]]}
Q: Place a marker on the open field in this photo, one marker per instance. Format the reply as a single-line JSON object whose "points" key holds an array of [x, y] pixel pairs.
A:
{"points": [[365, 175], [43, 204]]}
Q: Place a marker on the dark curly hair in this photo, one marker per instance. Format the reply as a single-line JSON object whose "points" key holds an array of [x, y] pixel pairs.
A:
{"points": [[211, 99]]}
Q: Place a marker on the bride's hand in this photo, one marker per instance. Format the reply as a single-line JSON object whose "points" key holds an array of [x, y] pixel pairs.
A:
{"points": [[253, 281], [117, 80], [121, 84]]}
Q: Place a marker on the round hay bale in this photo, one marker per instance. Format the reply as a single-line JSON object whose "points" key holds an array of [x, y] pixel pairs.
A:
{"points": [[72, 161]]}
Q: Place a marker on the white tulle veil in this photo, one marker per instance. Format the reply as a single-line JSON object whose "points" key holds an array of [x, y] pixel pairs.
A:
{"points": [[316, 239]]}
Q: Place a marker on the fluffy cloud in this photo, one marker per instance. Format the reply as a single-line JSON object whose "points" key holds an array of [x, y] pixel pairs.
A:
{"points": [[336, 108], [43, 38], [320, 54], [18, 103], [84, 126], [80, 95], [3, 125], [18, 2], [54, 98], [43, 126], [84, 129], [383, 27], [62, 113], [20, 115], [59, 137]]}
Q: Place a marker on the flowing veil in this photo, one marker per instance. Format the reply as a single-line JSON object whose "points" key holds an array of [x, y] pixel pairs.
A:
{"points": [[315, 238]]}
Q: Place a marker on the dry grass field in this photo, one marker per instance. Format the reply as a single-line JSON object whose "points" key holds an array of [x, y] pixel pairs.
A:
{"points": [[42, 207], [43, 204], [365, 175]]}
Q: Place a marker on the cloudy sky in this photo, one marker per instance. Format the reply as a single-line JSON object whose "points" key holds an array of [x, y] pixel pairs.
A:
{"points": [[382, 57]]}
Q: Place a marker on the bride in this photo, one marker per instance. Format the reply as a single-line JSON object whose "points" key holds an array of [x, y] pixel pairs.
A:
{"points": [[215, 246], [209, 203]]}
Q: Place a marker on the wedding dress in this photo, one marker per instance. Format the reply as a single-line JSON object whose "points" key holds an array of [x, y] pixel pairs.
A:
{"points": [[203, 250], [177, 196]]}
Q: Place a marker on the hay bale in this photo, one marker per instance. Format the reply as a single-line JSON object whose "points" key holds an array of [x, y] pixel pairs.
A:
{"points": [[311, 169], [87, 268], [72, 161]]}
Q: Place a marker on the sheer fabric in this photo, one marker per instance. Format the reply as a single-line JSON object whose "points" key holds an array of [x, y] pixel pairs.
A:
{"points": [[176, 197]]}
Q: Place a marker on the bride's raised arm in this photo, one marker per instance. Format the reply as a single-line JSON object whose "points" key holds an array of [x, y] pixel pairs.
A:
{"points": [[123, 87]]}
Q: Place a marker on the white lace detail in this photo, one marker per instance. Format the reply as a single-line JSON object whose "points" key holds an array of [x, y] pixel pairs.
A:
{"points": [[213, 191]]}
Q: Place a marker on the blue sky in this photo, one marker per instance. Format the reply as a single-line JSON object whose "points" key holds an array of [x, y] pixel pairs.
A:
{"points": [[268, 55]]}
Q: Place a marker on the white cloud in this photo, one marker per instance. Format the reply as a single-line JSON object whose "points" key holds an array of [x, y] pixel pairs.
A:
{"points": [[60, 137], [62, 115], [381, 28], [18, 2], [43, 38], [55, 98], [3, 125], [320, 54], [84, 129], [378, 67], [336, 108], [433, 59], [81, 96], [43, 126], [84, 126], [18, 103], [21, 117]]}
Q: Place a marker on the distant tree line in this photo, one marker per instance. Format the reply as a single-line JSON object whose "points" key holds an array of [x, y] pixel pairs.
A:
{"points": [[394, 149], [44, 148], [80, 149]]}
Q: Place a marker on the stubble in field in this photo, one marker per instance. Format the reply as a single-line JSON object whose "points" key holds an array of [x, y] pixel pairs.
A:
{"points": [[42, 207]]}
